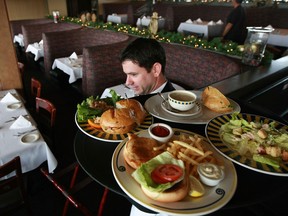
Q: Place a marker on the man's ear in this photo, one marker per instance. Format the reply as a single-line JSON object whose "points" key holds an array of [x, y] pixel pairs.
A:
{"points": [[156, 69]]}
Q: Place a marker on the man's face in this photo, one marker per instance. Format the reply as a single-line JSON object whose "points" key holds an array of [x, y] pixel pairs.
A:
{"points": [[138, 78]]}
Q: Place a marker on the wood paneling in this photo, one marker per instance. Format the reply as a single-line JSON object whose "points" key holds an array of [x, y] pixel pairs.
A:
{"points": [[9, 72]]}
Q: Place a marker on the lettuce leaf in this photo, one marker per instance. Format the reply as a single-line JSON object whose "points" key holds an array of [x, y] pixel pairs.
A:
{"points": [[143, 174]]}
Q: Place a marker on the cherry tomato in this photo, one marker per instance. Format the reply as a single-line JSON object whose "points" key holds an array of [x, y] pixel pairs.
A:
{"points": [[166, 173]]}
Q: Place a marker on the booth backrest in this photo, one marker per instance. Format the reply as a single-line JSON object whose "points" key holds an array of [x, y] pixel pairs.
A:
{"points": [[189, 67], [64, 43], [195, 68], [33, 33], [16, 25], [102, 68]]}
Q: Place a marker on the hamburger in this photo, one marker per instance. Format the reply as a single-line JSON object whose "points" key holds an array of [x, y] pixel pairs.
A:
{"points": [[126, 116], [151, 164], [172, 189], [214, 100]]}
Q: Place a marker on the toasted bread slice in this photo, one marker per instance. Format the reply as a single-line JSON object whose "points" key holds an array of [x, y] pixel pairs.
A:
{"points": [[214, 100]]}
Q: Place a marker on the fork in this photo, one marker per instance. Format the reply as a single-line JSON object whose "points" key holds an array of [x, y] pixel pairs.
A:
{"points": [[25, 132], [14, 118]]}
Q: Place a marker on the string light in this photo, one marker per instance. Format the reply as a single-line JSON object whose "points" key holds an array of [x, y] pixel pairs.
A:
{"points": [[215, 45]]}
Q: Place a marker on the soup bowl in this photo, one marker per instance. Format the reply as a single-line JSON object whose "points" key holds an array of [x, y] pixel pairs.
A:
{"points": [[182, 100]]}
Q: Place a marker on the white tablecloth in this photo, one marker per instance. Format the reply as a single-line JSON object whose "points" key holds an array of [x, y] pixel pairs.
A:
{"points": [[202, 28], [36, 49], [145, 21], [279, 37], [117, 18], [72, 67], [32, 154], [19, 39]]}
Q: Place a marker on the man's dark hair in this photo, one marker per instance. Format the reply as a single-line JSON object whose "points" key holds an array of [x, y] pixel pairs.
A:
{"points": [[145, 52]]}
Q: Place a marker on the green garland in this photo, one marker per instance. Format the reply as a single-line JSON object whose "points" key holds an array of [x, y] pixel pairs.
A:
{"points": [[216, 45]]}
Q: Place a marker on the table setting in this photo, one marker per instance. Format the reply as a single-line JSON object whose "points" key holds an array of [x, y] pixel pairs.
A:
{"points": [[36, 49], [19, 39], [145, 21], [208, 28], [117, 18], [198, 120], [19, 135], [71, 65]]}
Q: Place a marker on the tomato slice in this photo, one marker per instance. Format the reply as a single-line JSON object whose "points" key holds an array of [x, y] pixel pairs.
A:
{"points": [[93, 124], [166, 173]]}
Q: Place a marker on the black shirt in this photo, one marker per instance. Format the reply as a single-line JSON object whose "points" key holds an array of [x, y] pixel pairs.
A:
{"points": [[237, 33]]}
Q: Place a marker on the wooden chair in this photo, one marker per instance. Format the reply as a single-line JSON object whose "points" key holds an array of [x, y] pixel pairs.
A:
{"points": [[73, 188], [13, 194], [46, 120], [36, 87]]}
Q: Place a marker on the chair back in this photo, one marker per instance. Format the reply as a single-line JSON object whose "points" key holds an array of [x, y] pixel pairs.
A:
{"points": [[46, 105], [36, 87], [13, 194]]}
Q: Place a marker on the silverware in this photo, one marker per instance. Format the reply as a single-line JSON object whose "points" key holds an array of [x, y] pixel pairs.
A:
{"points": [[14, 118], [25, 132], [125, 86]]}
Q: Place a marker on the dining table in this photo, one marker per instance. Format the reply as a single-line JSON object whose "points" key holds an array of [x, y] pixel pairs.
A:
{"points": [[279, 37], [117, 18], [36, 49], [96, 155], [19, 39], [70, 66], [209, 29], [20, 136], [145, 21]]}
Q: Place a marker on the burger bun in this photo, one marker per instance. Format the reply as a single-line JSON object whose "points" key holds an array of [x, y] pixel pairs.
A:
{"points": [[174, 194]]}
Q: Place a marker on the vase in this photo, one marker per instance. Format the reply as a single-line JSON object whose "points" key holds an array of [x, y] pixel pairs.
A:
{"points": [[255, 44]]}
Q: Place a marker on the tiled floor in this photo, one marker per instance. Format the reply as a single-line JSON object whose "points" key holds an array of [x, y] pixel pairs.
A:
{"points": [[45, 199]]}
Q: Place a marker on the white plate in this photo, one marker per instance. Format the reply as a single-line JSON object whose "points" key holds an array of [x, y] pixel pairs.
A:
{"points": [[213, 199], [14, 106], [30, 138], [192, 112], [153, 106]]}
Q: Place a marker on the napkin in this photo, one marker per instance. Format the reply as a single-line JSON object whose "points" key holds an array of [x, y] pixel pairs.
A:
{"points": [[189, 21], [21, 122], [211, 23], [9, 98], [73, 56], [219, 22], [199, 20], [269, 26]]}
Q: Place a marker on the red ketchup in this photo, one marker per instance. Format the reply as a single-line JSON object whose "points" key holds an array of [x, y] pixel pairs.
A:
{"points": [[160, 131]]}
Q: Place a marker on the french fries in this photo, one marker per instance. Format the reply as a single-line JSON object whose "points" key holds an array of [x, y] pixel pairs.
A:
{"points": [[191, 150]]}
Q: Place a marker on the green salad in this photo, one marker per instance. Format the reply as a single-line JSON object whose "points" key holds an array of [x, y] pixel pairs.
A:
{"points": [[261, 141], [93, 107]]}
